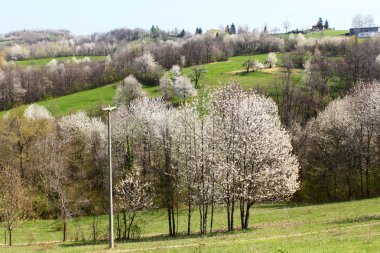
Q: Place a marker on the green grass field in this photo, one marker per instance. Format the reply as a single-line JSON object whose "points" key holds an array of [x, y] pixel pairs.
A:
{"points": [[86, 100], [230, 70], [338, 227], [44, 61], [327, 33]]}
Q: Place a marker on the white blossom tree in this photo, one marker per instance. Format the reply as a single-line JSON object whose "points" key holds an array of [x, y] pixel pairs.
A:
{"points": [[130, 89], [257, 162], [133, 194], [271, 60], [183, 87], [35, 111], [146, 64]]}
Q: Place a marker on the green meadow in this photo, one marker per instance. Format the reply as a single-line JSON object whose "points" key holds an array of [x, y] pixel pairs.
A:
{"points": [[338, 227]]}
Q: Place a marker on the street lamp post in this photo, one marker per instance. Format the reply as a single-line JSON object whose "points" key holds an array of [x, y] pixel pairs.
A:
{"points": [[111, 239]]}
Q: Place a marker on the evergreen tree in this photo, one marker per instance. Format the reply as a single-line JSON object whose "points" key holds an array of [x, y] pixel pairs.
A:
{"points": [[233, 29], [327, 25], [200, 30], [154, 31], [320, 24], [182, 34]]}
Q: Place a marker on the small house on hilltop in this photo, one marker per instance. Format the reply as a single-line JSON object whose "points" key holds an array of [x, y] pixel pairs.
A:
{"points": [[365, 32]]}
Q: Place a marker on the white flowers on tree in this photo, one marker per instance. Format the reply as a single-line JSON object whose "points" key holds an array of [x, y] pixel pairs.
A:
{"points": [[183, 87], [257, 162], [146, 63], [345, 132], [130, 89], [271, 60], [300, 40], [224, 147], [133, 194], [82, 124], [378, 59], [176, 84], [35, 111]]}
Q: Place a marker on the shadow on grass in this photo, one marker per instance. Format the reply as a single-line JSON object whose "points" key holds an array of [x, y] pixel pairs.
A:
{"points": [[159, 238], [359, 219]]}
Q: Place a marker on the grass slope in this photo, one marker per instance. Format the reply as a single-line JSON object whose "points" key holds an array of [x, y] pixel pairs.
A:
{"points": [[86, 100], [232, 70], [339, 227], [44, 61], [217, 72], [327, 33]]}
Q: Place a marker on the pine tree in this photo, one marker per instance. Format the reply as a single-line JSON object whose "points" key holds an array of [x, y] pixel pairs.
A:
{"points": [[182, 34], [320, 24], [327, 25], [233, 29], [154, 31]]}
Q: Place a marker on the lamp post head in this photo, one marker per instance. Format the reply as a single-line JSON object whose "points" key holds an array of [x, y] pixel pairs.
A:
{"points": [[109, 108]]}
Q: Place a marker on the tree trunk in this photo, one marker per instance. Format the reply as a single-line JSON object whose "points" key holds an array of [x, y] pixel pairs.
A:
{"points": [[64, 229], [228, 217], [94, 227], [189, 217], [170, 221], [247, 213], [125, 225], [212, 215], [232, 213], [242, 213], [10, 235], [130, 225]]}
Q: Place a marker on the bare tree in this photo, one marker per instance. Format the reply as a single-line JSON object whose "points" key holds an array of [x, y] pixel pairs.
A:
{"points": [[286, 26]]}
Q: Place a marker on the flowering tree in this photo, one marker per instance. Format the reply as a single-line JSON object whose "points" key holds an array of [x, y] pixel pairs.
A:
{"points": [[378, 59], [300, 40], [343, 143], [133, 194], [128, 91], [175, 84], [35, 111], [183, 87], [146, 64], [256, 162], [271, 60]]}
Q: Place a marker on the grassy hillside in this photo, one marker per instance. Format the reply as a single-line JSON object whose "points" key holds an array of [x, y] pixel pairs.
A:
{"points": [[44, 61], [85, 100], [340, 227], [216, 72], [328, 33], [232, 69]]}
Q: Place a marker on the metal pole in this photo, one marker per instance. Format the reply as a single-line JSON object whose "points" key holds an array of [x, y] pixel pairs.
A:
{"points": [[111, 240]]}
